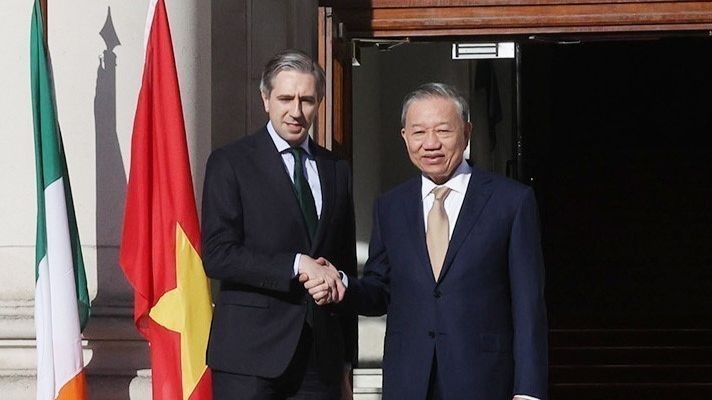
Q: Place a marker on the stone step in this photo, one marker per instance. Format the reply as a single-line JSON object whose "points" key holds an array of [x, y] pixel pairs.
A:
{"points": [[608, 391], [630, 337], [101, 357], [620, 374], [630, 355], [21, 385]]}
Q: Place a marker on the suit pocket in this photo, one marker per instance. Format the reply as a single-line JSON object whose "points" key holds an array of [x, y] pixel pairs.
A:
{"points": [[496, 343], [247, 299]]}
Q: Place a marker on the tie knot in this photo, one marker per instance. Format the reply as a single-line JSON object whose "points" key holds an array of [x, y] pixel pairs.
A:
{"points": [[441, 193], [296, 152]]}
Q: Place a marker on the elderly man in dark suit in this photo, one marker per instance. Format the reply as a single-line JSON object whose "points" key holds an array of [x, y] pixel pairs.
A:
{"points": [[455, 260], [275, 205]]}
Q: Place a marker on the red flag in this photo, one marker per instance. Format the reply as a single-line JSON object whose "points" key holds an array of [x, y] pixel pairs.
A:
{"points": [[160, 245]]}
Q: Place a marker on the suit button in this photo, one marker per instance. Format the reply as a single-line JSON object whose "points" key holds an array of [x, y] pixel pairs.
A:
{"points": [[436, 293], [431, 334]]}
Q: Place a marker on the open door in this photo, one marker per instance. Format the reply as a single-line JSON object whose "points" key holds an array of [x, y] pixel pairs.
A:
{"points": [[334, 119]]}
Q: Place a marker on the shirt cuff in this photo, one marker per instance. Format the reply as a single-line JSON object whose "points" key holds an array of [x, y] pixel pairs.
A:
{"points": [[344, 279], [296, 264], [523, 397]]}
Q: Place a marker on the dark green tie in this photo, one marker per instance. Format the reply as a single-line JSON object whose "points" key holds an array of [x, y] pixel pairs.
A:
{"points": [[304, 194], [306, 203]]}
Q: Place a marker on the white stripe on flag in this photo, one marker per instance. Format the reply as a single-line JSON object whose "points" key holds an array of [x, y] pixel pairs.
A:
{"points": [[58, 338], [43, 330]]}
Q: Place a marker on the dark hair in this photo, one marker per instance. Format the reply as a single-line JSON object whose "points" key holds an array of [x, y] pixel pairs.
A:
{"points": [[292, 60]]}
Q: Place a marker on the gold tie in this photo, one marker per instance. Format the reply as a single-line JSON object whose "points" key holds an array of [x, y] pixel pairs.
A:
{"points": [[438, 233]]}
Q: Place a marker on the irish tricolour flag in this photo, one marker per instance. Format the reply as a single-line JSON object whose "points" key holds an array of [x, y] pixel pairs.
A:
{"points": [[61, 298]]}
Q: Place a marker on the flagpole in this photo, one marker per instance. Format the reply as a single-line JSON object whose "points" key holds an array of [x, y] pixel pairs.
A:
{"points": [[43, 7]]}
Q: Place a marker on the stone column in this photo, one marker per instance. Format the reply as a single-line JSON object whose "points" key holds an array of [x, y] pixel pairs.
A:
{"points": [[97, 53], [17, 208]]}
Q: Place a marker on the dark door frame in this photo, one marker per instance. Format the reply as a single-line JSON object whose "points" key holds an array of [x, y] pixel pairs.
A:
{"points": [[341, 20]]}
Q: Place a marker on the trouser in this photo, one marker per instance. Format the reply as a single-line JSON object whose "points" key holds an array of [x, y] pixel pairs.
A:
{"points": [[300, 381]]}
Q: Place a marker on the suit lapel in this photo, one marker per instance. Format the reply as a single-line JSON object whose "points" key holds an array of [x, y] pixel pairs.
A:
{"points": [[270, 163], [478, 193], [327, 177], [413, 209]]}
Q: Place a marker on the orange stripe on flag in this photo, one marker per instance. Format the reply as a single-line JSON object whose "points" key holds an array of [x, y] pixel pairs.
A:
{"points": [[75, 389]]}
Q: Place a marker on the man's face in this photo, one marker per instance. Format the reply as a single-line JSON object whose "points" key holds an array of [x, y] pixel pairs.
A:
{"points": [[292, 105], [435, 136]]}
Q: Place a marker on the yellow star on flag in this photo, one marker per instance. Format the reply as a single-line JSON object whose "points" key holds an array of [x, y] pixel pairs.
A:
{"points": [[187, 310]]}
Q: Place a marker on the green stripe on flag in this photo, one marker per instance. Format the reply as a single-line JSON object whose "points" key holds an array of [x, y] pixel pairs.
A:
{"points": [[50, 162]]}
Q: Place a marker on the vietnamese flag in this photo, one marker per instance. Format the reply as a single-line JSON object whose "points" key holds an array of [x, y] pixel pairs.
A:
{"points": [[160, 245]]}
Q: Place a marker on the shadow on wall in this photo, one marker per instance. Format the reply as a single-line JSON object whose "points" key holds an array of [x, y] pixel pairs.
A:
{"points": [[117, 349]]}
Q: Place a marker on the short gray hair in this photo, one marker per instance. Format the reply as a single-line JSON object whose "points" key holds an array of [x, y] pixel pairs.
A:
{"points": [[436, 89], [292, 60]]}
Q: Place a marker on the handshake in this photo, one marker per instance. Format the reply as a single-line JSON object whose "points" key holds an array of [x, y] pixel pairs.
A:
{"points": [[321, 280]]}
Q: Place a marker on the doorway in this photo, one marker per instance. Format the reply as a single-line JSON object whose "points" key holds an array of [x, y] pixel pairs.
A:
{"points": [[619, 146], [617, 142]]}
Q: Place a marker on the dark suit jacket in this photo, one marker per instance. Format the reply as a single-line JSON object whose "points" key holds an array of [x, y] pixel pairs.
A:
{"points": [[484, 320], [252, 228]]}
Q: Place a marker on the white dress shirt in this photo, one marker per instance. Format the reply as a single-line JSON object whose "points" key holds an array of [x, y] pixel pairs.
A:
{"points": [[309, 164], [453, 203], [309, 167]]}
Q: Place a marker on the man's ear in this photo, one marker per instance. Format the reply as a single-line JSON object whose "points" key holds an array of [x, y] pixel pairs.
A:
{"points": [[265, 100], [468, 131], [405, 140]]}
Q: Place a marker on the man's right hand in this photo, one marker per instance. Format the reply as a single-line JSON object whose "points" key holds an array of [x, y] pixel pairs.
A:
{"points": [[321, 293], [321, 279]]}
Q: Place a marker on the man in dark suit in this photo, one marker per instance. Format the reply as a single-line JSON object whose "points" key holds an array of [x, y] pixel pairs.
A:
{"points": [[273, 202], [455, 260]]}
